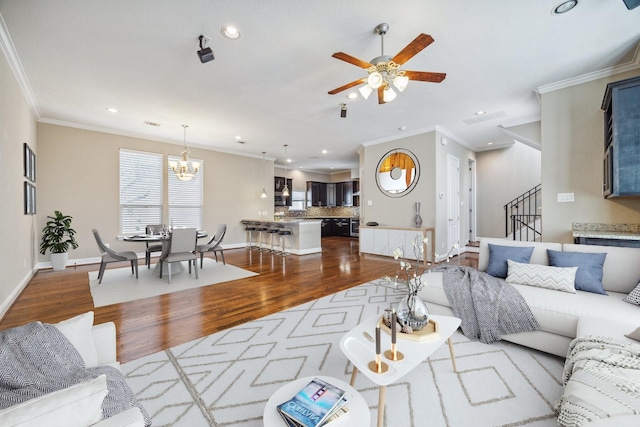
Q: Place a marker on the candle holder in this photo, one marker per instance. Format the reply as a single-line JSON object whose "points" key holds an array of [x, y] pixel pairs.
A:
{"points": [[394, 354], [378, 365]]}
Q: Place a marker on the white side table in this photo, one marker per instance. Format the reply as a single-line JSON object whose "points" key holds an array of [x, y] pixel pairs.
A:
{"points": [[361, 351], [358, 409]]}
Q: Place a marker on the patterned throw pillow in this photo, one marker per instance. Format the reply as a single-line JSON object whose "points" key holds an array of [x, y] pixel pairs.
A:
{"points": [[542, 276], [634, 296]]}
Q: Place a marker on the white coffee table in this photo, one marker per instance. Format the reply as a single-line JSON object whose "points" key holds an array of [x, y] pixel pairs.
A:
{"points": [[358, 409], [360, 351]]}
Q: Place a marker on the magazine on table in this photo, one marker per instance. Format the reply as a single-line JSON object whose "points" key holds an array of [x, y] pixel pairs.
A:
{"points": [[313, 405]]}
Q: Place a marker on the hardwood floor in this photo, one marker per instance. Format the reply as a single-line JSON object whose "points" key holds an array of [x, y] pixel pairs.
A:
{"points": [[154, 324]]}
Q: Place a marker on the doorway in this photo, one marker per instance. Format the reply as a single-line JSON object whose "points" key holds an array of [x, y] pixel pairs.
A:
{"points": [[453, 201]]}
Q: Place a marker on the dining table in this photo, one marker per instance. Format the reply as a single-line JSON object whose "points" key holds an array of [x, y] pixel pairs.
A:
{"points": [[163, 238]]}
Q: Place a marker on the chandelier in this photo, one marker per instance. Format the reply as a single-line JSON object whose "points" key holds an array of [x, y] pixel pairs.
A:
{"points": [[185, 169]]}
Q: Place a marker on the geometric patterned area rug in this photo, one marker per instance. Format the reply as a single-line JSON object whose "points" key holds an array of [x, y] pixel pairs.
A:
{"points": [[225, 379], [119, 285]]}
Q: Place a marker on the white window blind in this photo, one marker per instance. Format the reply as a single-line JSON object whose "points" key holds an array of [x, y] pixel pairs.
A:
{"points": [[141, 190], [185, 198]]}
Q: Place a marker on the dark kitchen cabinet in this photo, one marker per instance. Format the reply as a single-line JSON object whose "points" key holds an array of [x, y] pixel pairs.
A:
{"points": [[344, 193], [621, 105], [278, 185], [316, 193]]}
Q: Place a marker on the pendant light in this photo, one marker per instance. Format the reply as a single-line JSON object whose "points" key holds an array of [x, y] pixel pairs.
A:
{"points": [[185, 169], [264, 192], [285, 190]]}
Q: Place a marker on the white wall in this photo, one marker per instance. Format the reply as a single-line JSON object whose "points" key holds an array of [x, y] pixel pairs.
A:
{"points": [[572, 153], [19, 232], [503, 175]]}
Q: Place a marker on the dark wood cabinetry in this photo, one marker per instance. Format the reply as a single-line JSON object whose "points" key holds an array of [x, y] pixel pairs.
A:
{"points": [[332, 194], [278, 185], [621, 172]]}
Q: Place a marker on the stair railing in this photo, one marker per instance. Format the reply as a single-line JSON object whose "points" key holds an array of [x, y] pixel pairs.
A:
{"points": [[522, 217]]}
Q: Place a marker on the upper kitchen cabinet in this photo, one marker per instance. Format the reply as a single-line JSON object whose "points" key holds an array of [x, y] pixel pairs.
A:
{"points": [[279, 199], [621, 105], [316, 193]]}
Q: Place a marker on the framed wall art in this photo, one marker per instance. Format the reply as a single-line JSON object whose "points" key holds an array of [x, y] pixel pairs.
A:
{"points": [[29, 198], [29, 163]]}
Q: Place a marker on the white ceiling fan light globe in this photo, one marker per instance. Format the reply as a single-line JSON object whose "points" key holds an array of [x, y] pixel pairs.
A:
{"points": [[388, 94], [375, 80], [401, 82], [365, 91]]}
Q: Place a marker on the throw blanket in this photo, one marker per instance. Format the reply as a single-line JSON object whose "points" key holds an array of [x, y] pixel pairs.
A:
{"points": [[602, 380], [488, 306], [36, 359]]}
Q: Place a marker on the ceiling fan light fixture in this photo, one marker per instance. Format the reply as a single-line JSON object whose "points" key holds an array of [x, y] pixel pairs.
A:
{"points": [[375, 80], [401, 82], [389, 94], [365, 91]]}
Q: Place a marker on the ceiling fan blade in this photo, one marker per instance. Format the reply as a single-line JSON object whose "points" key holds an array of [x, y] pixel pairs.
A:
{"points": [[425, 76], [419, 43], [381, 95], [352, 60], [347, 86]]}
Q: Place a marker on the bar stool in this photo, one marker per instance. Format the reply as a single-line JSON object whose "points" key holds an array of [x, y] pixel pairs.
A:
{"points": [[261, 228], [249, 227], [273, 230], [284, 234]]}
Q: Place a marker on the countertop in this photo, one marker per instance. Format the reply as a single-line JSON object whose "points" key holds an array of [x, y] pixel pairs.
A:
{"points": [[606, 231], [285, 220]]}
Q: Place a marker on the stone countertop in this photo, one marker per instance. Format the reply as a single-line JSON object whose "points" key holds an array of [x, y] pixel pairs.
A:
{"points": [[606, 231], [285, 220]]}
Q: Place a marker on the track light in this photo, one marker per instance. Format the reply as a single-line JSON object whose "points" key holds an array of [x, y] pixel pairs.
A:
{"points": [[343, 110], [205, 53]]}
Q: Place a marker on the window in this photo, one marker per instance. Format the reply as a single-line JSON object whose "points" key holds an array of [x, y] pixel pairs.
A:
{"points": [[297, 201], [140, 190], [185, 198]]}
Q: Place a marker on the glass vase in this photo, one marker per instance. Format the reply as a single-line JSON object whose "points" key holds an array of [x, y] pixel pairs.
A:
{"points": [[413, 311]]}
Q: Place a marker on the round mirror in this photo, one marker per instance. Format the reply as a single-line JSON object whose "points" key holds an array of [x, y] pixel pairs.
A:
{"points": [[397, 172]]}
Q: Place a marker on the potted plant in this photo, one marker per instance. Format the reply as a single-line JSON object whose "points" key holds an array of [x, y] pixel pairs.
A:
{"points": [[57, 236]]}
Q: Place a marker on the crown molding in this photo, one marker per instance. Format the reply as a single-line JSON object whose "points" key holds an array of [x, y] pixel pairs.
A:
{"points": [[16, 66], [633, 64]]}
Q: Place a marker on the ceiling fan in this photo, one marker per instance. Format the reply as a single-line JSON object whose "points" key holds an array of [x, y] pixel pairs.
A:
{"points": [[384, 70]]}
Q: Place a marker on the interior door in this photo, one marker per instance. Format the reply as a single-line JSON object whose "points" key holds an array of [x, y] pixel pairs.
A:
{"points": [[453, 201]]}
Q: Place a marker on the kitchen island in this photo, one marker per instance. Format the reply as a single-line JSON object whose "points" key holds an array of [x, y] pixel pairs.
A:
{"points": [[305, 238]]}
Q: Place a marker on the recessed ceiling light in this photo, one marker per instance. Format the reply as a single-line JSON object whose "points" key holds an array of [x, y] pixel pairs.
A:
{"points": [[331, 167], [288, 160], [402, 128], [324, 151], [489, 143], [238, 137], [564, 7], [352, 95], [479, 113], [230, 32], [111, 110]]}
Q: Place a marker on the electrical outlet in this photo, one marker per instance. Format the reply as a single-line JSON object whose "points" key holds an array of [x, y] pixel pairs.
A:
{"points": [[565, 197]]}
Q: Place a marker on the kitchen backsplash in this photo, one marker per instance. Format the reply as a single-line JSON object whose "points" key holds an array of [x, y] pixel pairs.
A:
{"points": [[320, 212]]}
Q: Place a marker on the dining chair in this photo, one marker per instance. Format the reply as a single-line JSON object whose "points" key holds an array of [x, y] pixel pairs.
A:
{"points": [[152, 229], [181, 247], [213, 245], [109, 255]]}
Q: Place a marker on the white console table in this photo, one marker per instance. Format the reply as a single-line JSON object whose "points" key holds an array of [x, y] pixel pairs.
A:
{"points": [[383, 240]]}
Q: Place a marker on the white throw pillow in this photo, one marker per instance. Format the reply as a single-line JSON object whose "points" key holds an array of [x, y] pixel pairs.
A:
{"points": [[78, 332], [542, 276], [634, 296], [76, 406]]}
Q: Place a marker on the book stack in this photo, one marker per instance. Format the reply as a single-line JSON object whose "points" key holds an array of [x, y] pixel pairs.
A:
{"points": [[318, 404]]}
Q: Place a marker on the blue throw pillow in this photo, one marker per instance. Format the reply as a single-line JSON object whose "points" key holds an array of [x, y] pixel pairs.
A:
{"points": [[498, 256], [589, 275]]}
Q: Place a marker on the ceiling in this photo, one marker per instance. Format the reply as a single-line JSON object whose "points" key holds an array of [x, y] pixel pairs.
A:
{"points": [[270, 86]]}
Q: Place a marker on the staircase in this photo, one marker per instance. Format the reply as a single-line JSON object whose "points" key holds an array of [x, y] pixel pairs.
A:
{"points": [[522, 216]]}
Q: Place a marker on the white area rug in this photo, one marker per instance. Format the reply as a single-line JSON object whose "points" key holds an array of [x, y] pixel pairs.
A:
{"points": [[225, 379], [119, 285]]}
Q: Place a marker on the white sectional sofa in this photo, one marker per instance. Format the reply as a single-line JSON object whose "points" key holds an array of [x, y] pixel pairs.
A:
{"points": [[596, 394], [558, 313], [79, 405]]}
